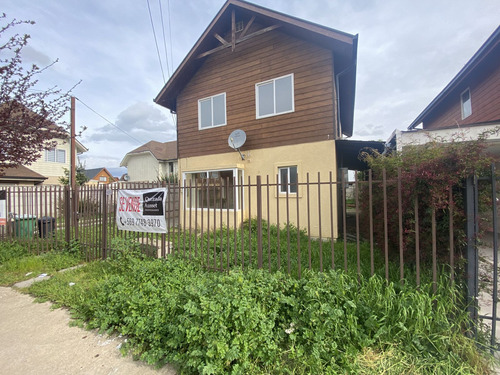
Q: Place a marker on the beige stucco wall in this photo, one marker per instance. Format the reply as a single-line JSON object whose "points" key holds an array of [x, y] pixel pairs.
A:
{"points": [[308, 157]]}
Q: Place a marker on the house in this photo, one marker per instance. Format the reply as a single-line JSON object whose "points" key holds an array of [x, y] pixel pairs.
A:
{"points": [[98, 176], [21, 176], [152, 161], [262, 93], [53, 162], [468, 106]]}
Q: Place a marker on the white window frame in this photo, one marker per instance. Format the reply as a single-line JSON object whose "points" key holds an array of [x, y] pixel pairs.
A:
{"points": [[467, 103], [103, 179], [55, 156], [289, 186], [257, 85], [239, 194], [211, 98]]}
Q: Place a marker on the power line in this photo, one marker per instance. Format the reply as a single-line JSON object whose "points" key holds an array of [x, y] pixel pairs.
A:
{"points": [[156, 42], [164, 39], [109, 122], [170, 36]]}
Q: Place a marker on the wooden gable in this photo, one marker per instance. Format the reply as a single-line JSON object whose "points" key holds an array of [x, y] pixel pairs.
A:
{"points": [[246, 44]]}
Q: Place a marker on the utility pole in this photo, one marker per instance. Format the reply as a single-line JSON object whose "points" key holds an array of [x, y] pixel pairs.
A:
{"points": [[72, 178]]}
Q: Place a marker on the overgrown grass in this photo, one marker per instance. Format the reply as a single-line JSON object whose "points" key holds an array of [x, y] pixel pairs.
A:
{"points": [[288, 249], [256, 322], [17, 264]]}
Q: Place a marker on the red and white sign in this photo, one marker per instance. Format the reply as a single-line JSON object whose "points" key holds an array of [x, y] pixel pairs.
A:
{"points": [[141, 210]]}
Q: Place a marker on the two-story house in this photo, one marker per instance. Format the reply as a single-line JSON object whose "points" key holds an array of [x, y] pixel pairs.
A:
{"points": [[287, 83], [98, 176], [53, 162], [468, 106], [153, 161]]}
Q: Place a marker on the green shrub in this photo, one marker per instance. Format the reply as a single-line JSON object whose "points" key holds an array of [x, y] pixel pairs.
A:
{"points": [[257, 322]]}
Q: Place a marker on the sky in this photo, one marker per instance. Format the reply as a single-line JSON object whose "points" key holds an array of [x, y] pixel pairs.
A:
{"points": [[407, 52]]}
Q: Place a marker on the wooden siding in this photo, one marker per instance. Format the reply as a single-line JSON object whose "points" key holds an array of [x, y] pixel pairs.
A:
{"points": [[143, 167], [485, 100], [268, 56]]}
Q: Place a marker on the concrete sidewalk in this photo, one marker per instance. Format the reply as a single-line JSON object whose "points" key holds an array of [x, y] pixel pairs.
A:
{"points": [[37, 340]]}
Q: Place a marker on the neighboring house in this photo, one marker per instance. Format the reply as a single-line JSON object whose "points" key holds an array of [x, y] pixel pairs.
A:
{"points": [[152, 161], [468, 106], [289, 84], [98, 176], [52, 162], [21, 176]]}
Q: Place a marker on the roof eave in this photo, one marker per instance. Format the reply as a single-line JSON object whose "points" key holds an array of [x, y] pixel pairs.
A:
{"points": [[480, 54]]}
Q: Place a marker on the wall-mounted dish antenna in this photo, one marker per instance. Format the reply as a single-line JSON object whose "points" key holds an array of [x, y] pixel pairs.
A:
{"points": [[237, 139]]}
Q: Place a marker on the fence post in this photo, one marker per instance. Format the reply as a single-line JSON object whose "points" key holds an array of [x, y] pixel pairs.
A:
{"points": [[67, 215], [259, 221], [471, 212], [104, 231]]}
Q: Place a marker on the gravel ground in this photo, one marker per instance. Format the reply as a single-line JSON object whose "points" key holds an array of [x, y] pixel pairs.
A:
{"points": [[37, 340]]}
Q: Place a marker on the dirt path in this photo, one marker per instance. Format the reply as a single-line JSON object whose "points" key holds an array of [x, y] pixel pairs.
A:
{"points": [[37, 340]]}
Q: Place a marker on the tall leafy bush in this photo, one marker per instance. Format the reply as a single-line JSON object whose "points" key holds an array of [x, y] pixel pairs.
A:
{"points": [[428, 173]]}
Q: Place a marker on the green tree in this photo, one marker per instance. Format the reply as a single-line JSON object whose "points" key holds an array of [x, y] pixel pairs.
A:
{"points": [[81, 178], [28, 117]]}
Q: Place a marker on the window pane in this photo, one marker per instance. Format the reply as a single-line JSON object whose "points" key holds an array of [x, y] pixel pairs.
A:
{"points": [[50, 155], [293, 179], [219, 108], [284, 98], [466, 104], [205, 113], [266, 101], [214, 189], [283, 179], [61, 156]]}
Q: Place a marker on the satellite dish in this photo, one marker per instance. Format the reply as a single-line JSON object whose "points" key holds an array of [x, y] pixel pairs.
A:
{"points": [[126, 177], [237, 139]]}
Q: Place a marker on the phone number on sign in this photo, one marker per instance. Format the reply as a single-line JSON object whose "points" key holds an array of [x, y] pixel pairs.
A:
{"points": [[152, 223]]}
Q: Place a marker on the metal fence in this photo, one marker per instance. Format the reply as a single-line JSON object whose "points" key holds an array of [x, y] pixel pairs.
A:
{"points": [[365, 226], [317, 224]]}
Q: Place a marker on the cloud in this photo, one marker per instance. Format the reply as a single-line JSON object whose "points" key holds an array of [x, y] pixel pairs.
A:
{"points": [[137, 124], [37, 57]]}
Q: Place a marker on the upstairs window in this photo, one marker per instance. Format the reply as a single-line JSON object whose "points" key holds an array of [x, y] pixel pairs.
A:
{"points": [[103, 179], [466, 104], [212, 111], [288, 179], [275, 96], [55, 156]]}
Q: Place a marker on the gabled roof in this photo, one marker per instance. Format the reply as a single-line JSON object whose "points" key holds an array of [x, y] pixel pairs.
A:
{"points": [[21, 173], [91, 173], [343, 45], [491, 45], [162, 151]]}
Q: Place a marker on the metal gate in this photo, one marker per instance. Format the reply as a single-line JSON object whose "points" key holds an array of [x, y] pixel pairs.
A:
{"points": [[482, 253]]}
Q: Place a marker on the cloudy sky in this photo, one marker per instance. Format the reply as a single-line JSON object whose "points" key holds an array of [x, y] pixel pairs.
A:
{"points": [[407, 52]]}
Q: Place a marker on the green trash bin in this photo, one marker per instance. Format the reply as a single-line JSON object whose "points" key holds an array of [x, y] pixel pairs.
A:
{"points": [[24, 226]]}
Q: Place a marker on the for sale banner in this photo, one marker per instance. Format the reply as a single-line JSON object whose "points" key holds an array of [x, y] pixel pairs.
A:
{"points": [[142, 210], [3, 208]]}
